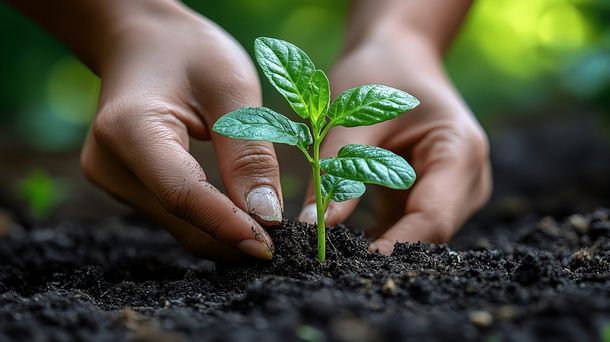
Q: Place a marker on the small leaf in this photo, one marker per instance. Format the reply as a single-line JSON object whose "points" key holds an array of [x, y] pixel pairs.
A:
{"points": [[369, 104], [369, 164], [318, 96], [288, 68], [341, 189], [261, 123]]}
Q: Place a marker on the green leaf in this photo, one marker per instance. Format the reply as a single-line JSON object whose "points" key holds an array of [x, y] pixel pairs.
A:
{"points": [[341, 189], [288, 69], [317, 96], [261, 123], [369, 104], [369, 164]]}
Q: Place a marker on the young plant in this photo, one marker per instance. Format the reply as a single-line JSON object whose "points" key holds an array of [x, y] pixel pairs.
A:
{"points": [[307, 91]]}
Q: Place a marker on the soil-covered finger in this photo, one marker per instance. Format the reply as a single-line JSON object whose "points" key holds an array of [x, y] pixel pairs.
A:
{"points": [[109, 173], [156, 153]]}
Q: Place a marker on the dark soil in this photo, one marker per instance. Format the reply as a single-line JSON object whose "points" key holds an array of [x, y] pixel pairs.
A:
{"points": [[123, 279], [509, 275]]}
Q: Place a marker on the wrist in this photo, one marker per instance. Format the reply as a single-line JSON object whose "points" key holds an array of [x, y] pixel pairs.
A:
{"points": [[435, 21], [406, 43], [92, 29], [132, 25], [406, 61]]}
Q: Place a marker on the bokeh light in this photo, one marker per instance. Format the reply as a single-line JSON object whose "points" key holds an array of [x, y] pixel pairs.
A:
{"points": [[71, 91]]}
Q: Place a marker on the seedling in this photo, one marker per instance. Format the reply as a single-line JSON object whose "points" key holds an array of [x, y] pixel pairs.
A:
{"points": [[307, 91]]}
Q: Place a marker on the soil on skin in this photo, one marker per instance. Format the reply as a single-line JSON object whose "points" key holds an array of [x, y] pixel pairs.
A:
{"points": [[121, 279]]}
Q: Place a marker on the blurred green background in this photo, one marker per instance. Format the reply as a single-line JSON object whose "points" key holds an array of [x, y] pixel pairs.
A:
{"points": [[513, 58]]}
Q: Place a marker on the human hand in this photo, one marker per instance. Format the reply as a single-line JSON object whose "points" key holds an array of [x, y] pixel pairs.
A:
{"points": [[166, 78], [441, 139]]}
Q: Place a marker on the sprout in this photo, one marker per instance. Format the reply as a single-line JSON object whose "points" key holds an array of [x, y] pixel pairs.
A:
{"points": [[307, 91]]}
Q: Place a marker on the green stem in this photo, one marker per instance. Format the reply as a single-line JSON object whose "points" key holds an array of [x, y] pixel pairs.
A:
{"points": [[306, 154], [317, 187], [325, 130]]}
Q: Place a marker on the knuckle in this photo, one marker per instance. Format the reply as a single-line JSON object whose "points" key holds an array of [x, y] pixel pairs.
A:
{"points": [[255, 160], [246, 81], [443, 140], [457, 142], [109, 120], [115, 120], [235, 90], [478, 144], [236, 74], [177, 200]]}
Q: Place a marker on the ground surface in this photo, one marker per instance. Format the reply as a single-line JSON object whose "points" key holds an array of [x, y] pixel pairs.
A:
{"points": [[122, 279], [510, 275]]}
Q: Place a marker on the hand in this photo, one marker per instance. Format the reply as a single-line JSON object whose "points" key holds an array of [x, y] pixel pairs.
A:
{"points": [[440, 138], [167, 78]]}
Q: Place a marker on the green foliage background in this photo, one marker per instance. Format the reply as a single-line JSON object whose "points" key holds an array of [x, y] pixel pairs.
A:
{"points": [[513, 57]]}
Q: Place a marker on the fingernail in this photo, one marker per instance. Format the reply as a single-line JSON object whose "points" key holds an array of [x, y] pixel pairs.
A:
{"points": [[383, 247], [373, 248], [309, 214], [263, 203], [255, 248]]}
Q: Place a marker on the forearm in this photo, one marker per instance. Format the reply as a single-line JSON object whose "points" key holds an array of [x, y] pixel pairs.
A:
{"points": [[400, 43], [92, 29], [435, 21]]}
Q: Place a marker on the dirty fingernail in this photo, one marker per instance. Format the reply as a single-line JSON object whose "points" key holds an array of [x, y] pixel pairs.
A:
{"points": [[258, 249], [381, 246], [264, 204], [309, 214]]}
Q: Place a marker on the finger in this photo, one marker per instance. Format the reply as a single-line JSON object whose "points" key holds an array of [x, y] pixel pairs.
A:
{"points": [[338, 137], [103, 169], [443, 197], [250, 173], [249, 169], [157, 154]]}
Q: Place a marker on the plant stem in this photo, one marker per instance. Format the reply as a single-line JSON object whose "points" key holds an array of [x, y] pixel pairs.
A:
{"points": [[317, 187]]}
